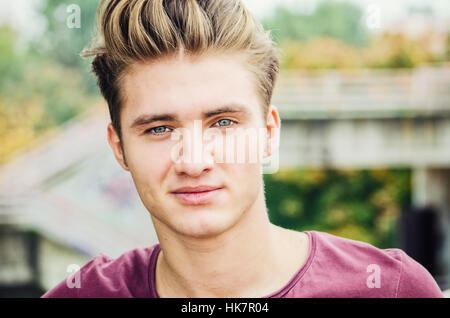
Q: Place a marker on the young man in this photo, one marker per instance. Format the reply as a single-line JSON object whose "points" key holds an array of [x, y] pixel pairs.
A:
{"points": [[166, 66]]}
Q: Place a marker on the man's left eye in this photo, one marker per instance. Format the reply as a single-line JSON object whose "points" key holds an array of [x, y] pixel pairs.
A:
{"points": [[225, 122]]}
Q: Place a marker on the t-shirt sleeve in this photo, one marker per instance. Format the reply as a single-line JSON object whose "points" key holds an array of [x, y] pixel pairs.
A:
{"points": [[414, 280], [71, 285]]}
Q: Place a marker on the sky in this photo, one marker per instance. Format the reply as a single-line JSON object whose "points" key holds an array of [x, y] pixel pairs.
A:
{"points": [[21, 14]]}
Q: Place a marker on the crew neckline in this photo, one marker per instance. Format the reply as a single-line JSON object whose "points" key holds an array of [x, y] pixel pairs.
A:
{"points": [[277, 294]]}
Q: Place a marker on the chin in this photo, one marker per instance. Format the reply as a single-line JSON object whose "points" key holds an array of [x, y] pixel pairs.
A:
{"points": [[206, 224]]}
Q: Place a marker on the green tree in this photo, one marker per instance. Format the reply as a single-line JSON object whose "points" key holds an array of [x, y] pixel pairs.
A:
{"points": [[11, 61], [357, 204], [341, 20], [63, 44]]}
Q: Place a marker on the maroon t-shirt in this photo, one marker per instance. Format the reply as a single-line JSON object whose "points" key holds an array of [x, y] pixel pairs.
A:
{"points": [[335, 267]]}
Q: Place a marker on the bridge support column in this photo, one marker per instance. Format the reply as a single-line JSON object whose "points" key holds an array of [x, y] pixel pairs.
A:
{"points": [[431, 187], [431, 211]]}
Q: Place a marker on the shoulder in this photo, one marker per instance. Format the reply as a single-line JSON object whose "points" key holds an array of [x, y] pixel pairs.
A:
{"points": [[414, 281], [103, 276], [359, 269]]}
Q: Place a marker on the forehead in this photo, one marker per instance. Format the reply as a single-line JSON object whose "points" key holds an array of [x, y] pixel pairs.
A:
{"points": [[187, 85]]}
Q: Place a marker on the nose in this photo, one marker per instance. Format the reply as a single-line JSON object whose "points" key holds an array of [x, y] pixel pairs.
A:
{"points": [[192, 169], [193, 157]]}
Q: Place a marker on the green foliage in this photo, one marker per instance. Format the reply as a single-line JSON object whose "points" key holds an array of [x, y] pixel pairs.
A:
{"points": [[383, 51], [340, 20], [36, 95], [361, 205], [335, 36], [62, 44], [10, 60]]}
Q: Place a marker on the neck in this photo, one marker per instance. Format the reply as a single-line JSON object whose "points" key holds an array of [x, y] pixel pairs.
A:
{"points": [[239, 262]]}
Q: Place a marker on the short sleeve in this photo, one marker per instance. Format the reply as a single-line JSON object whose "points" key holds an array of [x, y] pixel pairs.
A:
{"points": [[70, 286], [414, 280]]}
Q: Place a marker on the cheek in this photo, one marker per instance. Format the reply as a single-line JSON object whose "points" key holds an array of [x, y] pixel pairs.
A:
{"points": [[149, 162], [244, 176]]}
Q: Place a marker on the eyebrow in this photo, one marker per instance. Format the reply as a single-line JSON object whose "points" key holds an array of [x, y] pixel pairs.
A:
{"points": [[146, 119]]}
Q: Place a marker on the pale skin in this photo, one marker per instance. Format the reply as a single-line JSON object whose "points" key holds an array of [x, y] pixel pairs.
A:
{"points": [[226, 247]]}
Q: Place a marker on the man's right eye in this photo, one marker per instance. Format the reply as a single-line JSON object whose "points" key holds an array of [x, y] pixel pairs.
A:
{"points": [[157, 130]]}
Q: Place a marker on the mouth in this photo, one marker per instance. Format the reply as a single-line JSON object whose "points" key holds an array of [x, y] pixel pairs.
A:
{"points": [[197, 195]]}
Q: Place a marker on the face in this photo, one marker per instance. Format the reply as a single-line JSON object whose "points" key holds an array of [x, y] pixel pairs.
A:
{"points": [[188, 185]]}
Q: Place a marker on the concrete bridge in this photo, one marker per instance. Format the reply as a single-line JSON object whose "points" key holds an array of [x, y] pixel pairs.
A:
{"points": [[370, 119]]}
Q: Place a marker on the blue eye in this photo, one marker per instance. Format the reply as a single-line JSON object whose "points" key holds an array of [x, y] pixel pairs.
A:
{"points": [[224, 122], [157, 130]]}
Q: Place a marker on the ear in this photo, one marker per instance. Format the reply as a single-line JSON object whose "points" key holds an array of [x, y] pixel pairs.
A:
{"points": [[273, 131], [114, 142]]}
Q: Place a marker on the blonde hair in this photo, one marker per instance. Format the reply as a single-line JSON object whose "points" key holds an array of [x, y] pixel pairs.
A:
{"points": [[131, 31]]}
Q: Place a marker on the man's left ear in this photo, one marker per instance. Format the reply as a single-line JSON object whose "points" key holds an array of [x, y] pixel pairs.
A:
{"points": [[273, 131]]}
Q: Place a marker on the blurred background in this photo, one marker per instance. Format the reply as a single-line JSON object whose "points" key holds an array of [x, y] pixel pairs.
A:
{"points": [[364, 96]]}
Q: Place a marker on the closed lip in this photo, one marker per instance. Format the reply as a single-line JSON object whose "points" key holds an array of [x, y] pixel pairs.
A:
{"points": [[201, 188]]}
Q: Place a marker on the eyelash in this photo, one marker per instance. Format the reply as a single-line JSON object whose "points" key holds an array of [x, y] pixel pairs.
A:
{"points": [[149, 131]]}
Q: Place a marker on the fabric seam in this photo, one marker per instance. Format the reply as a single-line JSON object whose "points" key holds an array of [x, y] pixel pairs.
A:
{"points": [[400, 276]]}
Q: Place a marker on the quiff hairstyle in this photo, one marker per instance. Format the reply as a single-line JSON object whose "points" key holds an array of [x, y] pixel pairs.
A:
{"points": [[136, 31]]}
